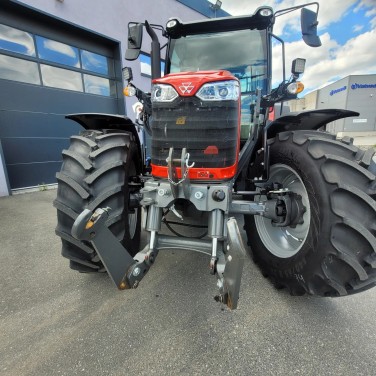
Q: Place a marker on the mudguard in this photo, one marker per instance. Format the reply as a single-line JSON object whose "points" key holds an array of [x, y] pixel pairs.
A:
{"points": [[97, 121], [103, 121], [306, 120]]}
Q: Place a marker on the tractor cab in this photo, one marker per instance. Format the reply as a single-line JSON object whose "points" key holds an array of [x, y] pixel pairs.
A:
{"points": [[243, 53], [240, 46]]}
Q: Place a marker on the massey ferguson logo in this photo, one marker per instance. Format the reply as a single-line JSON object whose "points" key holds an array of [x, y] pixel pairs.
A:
{"points": [[186, 87]]}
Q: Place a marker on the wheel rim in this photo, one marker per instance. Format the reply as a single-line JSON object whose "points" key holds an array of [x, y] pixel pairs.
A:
{"points": [[285, 242]]}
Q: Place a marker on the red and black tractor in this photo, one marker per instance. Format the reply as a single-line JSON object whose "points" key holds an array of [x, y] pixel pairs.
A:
{"points": [[308, 199]]}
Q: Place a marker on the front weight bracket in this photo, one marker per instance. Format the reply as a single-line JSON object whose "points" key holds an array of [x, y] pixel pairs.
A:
{"points": [[121, 267]]}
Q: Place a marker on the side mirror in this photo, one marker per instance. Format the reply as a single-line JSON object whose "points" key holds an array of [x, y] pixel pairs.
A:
{"points": [[309, 28], [134, 41]]}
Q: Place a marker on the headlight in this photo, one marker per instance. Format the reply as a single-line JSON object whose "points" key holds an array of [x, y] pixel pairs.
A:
{"points": [[163, 93], [265, 12], [218, 91], [295, 87], [171, 23]]}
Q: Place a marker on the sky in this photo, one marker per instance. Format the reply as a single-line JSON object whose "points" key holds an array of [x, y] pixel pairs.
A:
{"points": [[347, 29]]}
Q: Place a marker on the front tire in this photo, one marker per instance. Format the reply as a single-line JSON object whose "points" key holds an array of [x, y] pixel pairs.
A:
{"points": [[99, 170], [333, 253]]}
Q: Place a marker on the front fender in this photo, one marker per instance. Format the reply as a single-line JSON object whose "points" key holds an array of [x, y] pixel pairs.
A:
{"points": [[306, 120], [98, 122], [103, 121]]}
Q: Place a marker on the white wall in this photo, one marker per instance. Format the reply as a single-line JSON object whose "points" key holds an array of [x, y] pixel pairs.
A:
{"points": [[362, 100], [334, 96]]}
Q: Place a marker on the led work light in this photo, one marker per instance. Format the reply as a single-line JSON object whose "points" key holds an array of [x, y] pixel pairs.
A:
{"points": [[298, 66]]}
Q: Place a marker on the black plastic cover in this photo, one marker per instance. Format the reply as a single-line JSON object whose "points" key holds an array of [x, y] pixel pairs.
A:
{"points": [[309, 28], [255, 21], [306, 120]]}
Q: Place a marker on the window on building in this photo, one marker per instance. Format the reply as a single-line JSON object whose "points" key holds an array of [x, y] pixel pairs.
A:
{"points": [[19, 70], [57, 52], [16, 40], [95, 63], [40, 63], [61, 78], [97, 85]]}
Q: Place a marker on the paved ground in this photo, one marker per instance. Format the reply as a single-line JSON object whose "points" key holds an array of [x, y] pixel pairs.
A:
{"points": [[54, 321]]}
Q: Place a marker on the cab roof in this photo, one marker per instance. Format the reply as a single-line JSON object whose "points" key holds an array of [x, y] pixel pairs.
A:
{"points": [[263, 18]]}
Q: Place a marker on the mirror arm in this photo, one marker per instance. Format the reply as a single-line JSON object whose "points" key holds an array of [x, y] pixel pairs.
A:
{"points": [[288, 10], [283, 55], [160, 28]]}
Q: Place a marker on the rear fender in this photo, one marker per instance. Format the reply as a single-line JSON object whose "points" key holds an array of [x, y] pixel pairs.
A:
{"points": [[306, 120], [109, 121]]}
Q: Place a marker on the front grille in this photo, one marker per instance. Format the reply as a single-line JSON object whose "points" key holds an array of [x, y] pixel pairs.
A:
{"points": [[197, 126]]}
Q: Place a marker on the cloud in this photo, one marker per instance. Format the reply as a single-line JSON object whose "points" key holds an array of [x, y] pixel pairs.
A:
{"points": [[367, 4], [357, 28], [331, 61], [371, 12], [330, 11]]}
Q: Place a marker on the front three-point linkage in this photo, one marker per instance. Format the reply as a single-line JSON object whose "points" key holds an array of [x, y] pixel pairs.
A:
{"points": [[224, 245], [127, 272]]}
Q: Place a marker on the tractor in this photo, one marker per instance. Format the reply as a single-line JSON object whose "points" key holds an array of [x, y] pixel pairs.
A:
{"points": [[220, 149]]}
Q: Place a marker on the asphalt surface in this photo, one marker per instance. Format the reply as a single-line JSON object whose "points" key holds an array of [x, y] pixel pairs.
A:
{"points": [[54, 321]]}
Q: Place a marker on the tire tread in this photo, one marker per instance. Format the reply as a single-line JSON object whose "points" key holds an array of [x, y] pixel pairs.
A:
{"points": [[92, 168], [347, 175]]}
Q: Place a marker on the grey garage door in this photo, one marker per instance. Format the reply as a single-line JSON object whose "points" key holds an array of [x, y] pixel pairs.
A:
{"points": [[43, 78]]}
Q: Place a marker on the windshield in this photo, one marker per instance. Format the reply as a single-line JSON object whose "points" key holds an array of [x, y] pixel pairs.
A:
{"points": [[243, 53]]}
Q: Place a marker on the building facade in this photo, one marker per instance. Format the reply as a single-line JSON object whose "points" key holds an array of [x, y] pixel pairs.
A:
{"points": [[354, 92], [65, 56]]}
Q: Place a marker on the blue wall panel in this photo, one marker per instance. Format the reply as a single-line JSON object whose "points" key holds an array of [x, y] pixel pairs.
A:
{"points": [[34, 131]]}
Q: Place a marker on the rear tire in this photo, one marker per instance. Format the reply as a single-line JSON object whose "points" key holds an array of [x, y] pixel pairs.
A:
{"points": [[97, 171], [334, 252]]}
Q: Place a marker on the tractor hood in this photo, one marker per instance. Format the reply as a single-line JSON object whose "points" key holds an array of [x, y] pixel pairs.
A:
{"points": [[188, 83]]}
